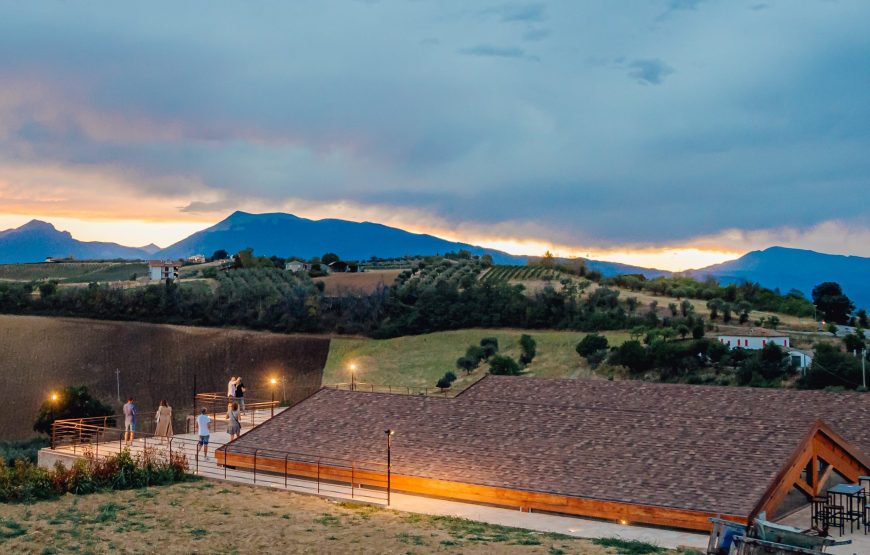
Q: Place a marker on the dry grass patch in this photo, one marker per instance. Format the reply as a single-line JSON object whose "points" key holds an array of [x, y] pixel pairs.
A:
{"points": [[202, 518], [362, 282]]}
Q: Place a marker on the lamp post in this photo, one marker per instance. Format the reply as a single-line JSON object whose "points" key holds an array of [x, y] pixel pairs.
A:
{"points": [[390, 433], [352, 377], [52, 400], [273, 381]]}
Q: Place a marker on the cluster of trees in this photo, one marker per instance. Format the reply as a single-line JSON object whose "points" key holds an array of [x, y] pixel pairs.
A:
{"points": [[682, 360], [475, 354], [730, 296]]}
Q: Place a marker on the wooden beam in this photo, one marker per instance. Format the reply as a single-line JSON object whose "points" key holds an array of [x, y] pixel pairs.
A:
{"points": [[805, 487], [824, 479]]}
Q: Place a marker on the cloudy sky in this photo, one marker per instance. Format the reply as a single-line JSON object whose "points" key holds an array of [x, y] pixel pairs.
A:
{"points": [[672, 133]]}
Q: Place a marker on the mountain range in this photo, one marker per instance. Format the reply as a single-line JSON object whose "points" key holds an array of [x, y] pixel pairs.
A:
{"points": [[288, 235]]}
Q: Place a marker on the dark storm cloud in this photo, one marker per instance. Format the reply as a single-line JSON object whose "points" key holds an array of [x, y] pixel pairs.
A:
{"points": [[363, 104]]}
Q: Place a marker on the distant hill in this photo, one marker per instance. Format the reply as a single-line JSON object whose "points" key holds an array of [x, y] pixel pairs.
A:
{"points": [[609, 269], [36, 240], [288, 235], [784, 268]]}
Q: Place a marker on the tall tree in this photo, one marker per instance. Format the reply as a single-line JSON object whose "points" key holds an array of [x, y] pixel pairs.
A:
{"points": [[832, 302]]}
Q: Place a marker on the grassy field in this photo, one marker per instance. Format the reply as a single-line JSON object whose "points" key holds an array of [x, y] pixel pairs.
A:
{"points": [[420, 360], [364, 282], [205, 517], [73, 272]]}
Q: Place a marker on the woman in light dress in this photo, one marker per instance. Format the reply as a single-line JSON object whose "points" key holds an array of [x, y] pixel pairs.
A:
{"points": [[234, 427], [164, 420]]}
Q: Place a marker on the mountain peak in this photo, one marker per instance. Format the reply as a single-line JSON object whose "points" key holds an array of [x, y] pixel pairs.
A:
{"points": [[37, 225]]}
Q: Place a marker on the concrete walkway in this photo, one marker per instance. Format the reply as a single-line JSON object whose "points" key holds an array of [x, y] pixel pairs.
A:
{"points": [[569, 526]]}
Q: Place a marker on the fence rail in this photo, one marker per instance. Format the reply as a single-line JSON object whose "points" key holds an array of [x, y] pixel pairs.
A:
{"points": [[102, 437], [395, 389]]}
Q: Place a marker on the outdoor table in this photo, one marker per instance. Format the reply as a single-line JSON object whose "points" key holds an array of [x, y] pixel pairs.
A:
{"points": [[852, 498]]}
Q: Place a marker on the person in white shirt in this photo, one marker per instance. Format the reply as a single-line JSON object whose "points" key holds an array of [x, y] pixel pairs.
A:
{"points": [[202, 422]]}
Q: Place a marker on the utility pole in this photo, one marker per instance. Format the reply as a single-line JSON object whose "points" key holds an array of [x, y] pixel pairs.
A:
{"points": [[864, 367], [118, 382]]}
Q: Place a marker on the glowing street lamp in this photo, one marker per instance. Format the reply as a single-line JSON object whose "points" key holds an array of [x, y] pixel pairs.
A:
{"points": [[273, 382], [352, 378], [52, 402]]}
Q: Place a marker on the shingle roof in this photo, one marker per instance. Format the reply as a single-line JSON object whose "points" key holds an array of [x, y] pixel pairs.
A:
{"points": [[711, 449]]}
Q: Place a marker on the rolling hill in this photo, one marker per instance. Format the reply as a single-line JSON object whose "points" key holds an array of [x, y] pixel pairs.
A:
{"points": [[36, 240], [288, 235], [785, 268]]}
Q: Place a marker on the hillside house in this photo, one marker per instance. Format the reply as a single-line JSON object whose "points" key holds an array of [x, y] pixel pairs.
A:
{"points": [[754, 339], [196, 259], [163, 270], [800, 358], [341, 266], [296, 266]]}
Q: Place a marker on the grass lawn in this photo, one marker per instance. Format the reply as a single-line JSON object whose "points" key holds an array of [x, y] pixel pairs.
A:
{"points": [[208, 517], [419, 360]]}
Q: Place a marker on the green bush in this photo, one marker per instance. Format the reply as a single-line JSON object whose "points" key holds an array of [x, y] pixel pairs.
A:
{"points": [[466, 364], [501, 365], [529, 348], [26, 482], [72, 402], [490, 346], [475, 353], [590, 344], [11, 451]]}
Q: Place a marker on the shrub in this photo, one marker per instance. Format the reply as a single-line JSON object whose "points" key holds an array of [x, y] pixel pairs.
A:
{"points": [[25, 481], [632, 355], [590, 344], [73, 402], [529, 348], [489, 346], [11, 451], [501, 365], [476, 354], [467, 364]]}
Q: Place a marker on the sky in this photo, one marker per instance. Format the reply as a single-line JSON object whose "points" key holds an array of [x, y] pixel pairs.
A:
{"points": [[665, 133]]}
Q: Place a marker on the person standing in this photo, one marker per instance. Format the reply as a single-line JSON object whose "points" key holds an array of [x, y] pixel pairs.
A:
{"points": [[202, 422], [129, 421], [164, 420], [240, 395], [232, 385], [234, 428]]}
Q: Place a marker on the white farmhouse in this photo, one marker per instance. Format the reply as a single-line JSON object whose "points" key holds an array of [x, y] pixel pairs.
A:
{"points": [[163, 270], [754, 338], [800, 358], [295, 266], [196, 259]]}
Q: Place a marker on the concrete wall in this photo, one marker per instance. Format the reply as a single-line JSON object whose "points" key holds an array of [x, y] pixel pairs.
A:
{"points": [[40, 354]]}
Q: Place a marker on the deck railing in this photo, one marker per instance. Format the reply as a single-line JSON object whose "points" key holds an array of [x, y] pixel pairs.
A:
{"points": [[395, 389], [362, 480]]}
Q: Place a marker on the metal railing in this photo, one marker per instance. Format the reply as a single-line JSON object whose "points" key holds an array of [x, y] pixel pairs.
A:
{"points": [[395, 389], [367, 481], [217, 403]]}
